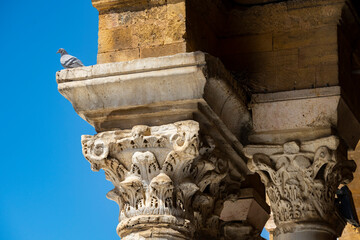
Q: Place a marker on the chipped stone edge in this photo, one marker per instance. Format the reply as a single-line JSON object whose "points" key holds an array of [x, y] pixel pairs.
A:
{"points": [[130, 67]]}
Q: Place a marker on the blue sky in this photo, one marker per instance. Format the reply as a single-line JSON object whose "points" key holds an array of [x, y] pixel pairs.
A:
{"points": [[47, 189]]}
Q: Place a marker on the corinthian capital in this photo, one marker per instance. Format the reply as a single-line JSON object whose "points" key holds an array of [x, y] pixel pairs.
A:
{"points": [[157, 171], [301, 179]]}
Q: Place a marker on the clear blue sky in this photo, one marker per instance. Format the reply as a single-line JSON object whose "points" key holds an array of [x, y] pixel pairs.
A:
{"points": [[47, 189]]}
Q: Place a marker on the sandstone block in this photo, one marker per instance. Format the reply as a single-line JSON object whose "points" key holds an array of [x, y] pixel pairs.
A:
{"points": [[252, 62], [157, 2], [327, 75], [159, 22], [263, 81], [291, 79], [103, 5], [175, 22], [164, 50], [313, 4], [118, 56], [108, 21], [318, 54], [288, 59], [286, 16], [283, 79], [302, 38], [246, 44], [121, 38]]}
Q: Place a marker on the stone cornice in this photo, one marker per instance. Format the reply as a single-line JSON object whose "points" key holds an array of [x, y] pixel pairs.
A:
{"points": [[302, 114], [163, 90], [196, 59], [156, 91], [103, 5]]}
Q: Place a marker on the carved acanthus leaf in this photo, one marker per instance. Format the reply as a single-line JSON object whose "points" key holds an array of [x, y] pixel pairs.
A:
{"points": [[301, 179], [157, 171]]}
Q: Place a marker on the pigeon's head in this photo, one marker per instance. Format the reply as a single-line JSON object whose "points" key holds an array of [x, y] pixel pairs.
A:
{"points": [[61, 51]]}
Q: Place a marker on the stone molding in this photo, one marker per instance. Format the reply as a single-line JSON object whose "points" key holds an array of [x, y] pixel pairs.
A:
{"points": [[155, 91], [302, 114], [165, 176], [301, 180], [103, 5]]}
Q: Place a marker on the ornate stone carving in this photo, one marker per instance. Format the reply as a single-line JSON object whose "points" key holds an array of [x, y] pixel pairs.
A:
{"points": [[164, 177], [301, 179]]}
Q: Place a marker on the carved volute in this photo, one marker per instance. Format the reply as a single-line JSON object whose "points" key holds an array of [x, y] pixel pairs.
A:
{"points": [[159, 174], [301, 180]]}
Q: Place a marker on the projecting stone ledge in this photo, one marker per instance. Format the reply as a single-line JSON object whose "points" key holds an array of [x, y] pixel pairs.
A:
{"points": [[304, 115], [162, 90], [144, 91]]}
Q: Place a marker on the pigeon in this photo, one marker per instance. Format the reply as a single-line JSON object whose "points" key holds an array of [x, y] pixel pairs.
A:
{"points": [[68, 61]]}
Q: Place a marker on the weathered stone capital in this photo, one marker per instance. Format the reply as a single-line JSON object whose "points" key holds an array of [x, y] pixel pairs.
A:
{"points": [[160, 175], [301, 180]]}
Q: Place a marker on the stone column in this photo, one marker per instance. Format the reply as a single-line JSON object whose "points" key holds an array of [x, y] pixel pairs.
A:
{"points": [[160, 174], [301, 179], [168, 139], [172, 183]]}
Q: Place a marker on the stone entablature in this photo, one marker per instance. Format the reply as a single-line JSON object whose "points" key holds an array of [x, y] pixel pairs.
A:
{"points": [[155, 91], [301, 179], [302, 114]]}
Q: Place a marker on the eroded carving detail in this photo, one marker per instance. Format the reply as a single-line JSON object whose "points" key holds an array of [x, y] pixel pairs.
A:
{"points": [[158, 173], [301, 179]]}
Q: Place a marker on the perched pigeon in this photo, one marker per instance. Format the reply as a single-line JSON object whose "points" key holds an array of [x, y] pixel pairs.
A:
{"points": [[68, 61]]}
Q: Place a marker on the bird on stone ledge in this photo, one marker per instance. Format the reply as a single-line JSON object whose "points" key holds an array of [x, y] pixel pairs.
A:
{"points": [[68, 61]]}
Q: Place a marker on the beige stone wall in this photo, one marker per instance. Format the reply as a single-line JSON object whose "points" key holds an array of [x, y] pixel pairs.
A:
{"points": [[284, 46], [150, 28], [295, 45], [281, 46], [140, 29], [349, 45]]}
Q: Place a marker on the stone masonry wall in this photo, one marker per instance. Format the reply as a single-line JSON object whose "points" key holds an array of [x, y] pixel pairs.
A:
{"points": [[276, 46], [140, 29], [349, 58], [295, 45], [284, 46], [152, 28]]}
